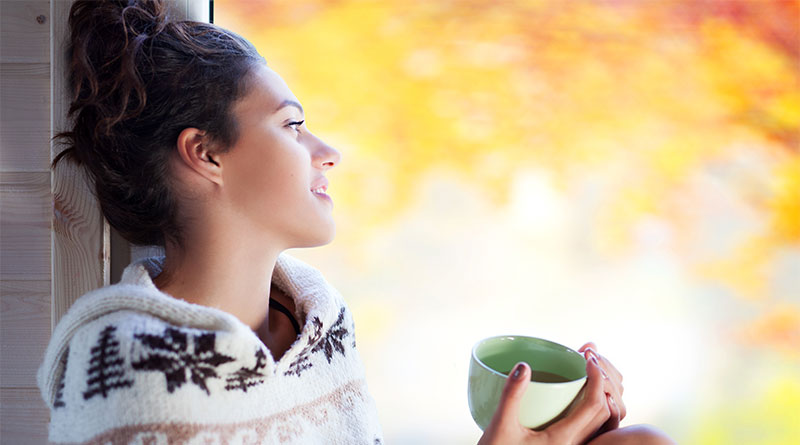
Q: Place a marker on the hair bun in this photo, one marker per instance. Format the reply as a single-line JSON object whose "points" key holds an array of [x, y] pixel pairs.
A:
{"points": [[138, 79], [106, 43], [119, 18]]}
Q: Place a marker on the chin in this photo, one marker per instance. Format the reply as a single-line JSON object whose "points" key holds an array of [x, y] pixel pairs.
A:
{"points": [[329, 238], [319, 239]]}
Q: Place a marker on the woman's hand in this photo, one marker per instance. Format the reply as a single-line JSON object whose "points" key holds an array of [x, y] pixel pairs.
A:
{"points": [[590, 414], [610, 373]]}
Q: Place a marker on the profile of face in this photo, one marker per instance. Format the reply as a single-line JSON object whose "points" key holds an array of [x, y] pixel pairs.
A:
{"points": [[274, 175]]}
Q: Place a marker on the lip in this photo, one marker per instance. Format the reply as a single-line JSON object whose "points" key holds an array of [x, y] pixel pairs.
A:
{"points": [[323, 184], [320, 183], [323, 196]]}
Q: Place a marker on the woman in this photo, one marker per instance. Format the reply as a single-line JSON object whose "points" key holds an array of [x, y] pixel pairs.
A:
{"points": [[194, 144]]}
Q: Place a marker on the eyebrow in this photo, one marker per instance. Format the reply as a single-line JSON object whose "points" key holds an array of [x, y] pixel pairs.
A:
{"points": [[290, 103]]}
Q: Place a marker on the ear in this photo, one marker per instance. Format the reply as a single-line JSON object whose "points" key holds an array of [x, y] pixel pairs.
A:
{"points": [[195, 152]]}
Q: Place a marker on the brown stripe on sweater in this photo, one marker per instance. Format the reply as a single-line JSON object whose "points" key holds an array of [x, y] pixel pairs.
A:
{"points": [[288, 424]]}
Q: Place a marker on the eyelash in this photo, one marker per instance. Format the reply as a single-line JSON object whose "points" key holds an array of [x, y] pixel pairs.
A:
{"points": [[296, 125]]}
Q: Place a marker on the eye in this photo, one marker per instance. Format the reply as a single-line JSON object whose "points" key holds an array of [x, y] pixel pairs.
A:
{"points": [[295, 125]]}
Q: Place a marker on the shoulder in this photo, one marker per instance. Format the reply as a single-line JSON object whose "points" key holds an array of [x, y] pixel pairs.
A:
{"points": [[129, 368], [125, 311], [112, 335], [127, 349]]}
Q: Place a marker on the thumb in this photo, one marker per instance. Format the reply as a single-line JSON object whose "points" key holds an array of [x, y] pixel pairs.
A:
{"points": [[514, 389]]}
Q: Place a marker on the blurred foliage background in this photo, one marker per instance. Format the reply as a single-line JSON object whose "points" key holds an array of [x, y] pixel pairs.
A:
{"points": [[623, 171]]}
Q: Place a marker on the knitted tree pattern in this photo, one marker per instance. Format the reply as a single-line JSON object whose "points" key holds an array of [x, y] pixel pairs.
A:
{"points": [[247, 377], [59, 400], [301, 363], [106, 371], [176, 356]]}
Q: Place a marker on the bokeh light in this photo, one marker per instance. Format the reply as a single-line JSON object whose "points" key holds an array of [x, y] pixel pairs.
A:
{"points": [[621, 171]]}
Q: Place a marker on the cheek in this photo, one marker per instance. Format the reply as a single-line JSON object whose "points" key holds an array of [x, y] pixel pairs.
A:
{"points": [[258, 182], [266, 179]]}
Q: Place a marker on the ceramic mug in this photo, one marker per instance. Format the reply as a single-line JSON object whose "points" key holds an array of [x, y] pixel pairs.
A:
{"points": [[559, 373]]}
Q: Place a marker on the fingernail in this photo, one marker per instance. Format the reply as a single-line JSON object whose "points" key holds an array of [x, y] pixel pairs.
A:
{"points": [[603, 372], [517, 372], [594, 359]]}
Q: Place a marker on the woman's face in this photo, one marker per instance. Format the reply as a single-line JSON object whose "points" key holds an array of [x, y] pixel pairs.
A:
{"points": [[274, 175]]}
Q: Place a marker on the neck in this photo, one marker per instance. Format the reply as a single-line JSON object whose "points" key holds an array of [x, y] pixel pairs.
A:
{"points": [[229, 274]]}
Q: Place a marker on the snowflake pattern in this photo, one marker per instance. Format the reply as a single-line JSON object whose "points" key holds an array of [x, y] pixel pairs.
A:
{"points": [[176, 356], [330, 344], [248, 377]]}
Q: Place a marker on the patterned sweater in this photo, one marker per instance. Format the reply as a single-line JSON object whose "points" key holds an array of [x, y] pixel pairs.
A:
{"points": [[129, 364]]}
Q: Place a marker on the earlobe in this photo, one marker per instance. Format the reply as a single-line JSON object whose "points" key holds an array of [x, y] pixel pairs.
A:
{"points": [[194, 150]]}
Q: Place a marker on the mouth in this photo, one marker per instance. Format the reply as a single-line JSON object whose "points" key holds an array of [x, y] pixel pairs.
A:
{"points": [[319, 192], [319, 187]]}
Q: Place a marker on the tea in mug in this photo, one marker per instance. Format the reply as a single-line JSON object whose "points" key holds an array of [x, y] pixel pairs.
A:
{"points": [[547, 377], [543, 376]]}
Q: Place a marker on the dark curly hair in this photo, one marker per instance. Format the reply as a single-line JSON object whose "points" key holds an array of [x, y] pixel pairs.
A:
{"points": [[138, 79]]}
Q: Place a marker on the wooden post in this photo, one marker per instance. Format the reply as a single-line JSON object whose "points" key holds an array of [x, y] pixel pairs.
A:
{"points": [[54, 243], [25, 216]]}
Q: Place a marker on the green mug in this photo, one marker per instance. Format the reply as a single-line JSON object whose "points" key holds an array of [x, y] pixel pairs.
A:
{"points": [[559, 374]]}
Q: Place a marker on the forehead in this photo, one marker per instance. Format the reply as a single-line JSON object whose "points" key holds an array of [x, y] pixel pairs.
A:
{"points": [[266, 91]]}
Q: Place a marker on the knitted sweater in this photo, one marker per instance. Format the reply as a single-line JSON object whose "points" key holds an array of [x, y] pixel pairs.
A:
{"points": [[129, 364]]}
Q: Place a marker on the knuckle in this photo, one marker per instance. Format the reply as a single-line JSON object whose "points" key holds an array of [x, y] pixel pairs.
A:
{"points": [[600, 395]]}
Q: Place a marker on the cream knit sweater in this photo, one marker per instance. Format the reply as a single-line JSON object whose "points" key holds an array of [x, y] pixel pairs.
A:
{"points": [[129, 364]]}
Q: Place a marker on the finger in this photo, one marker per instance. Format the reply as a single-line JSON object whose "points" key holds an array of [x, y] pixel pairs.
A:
{"points": [[616, 393], [590, 414], [615, 376], [609, 370], [514, 389], [611, 389], [614, 418], [617, 389], [604, 362], [589, 352]]}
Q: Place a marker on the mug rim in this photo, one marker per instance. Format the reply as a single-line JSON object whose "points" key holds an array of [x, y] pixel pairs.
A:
{"points": [[505, 376]]}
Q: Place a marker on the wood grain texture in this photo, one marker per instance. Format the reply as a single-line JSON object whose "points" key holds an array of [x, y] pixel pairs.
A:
{"points": [[22, 38], [80, 240], [24, 330], [81, 246], [23, 417], [25, 111], [25, 216]]}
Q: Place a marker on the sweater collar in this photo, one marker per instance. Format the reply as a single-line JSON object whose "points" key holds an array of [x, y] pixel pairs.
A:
{"points": [[302, 283], [313, 296]]}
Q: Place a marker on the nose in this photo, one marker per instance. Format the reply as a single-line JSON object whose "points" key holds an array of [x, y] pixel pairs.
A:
{"points": [[323, 156]]}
